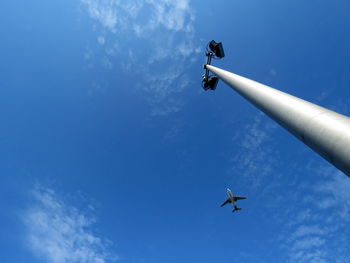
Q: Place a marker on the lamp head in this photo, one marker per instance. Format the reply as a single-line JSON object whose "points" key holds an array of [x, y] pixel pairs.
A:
{"points": [[217, 48], [210, 83]]}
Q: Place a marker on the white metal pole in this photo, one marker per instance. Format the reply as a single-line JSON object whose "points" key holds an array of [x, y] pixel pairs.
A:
{"points": [[324, 131]]}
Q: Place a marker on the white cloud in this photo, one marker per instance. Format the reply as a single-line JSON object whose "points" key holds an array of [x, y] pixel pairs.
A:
{"points": [[59, 233], [165, 31], [319, 232], [255, 157], [173, 15], [308, 243], [101, 40], [119, 15], [104, 12], [337, 186], [305, 230]]}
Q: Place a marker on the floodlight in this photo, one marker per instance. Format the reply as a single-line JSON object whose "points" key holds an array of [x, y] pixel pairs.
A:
{"points": [[217, 48], [210, 83], [214, 50]]}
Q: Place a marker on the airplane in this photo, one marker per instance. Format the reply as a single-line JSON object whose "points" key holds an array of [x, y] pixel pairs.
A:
{"points": [[232, 199]]}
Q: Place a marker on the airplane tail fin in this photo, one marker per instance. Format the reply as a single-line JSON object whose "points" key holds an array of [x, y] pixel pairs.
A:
{"points": [[236, 209]]}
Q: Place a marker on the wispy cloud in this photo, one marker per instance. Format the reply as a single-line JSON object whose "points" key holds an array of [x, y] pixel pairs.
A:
{"points": [[142, 16], [255, 157], [59, 233], [153, 38], [319, 227], [104, 12]]}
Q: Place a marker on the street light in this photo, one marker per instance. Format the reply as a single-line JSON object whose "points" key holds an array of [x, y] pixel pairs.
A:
{"points": [[216, 51]]}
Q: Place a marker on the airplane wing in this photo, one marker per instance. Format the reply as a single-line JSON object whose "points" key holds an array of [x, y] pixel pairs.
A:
{"points": [[239, 198], [227, 201]]}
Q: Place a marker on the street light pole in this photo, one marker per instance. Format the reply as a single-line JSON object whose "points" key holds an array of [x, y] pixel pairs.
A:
{"points": [[324, 131]]}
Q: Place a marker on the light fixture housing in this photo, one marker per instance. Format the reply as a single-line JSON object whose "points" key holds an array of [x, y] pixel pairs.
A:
{"points": [[217, 49], [210, 83]]}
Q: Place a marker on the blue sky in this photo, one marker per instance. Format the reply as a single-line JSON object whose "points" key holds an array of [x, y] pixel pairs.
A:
{"points": [[112, 152]]}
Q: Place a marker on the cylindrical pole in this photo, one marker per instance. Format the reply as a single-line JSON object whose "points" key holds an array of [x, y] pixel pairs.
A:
{"points": [[324, 131]]}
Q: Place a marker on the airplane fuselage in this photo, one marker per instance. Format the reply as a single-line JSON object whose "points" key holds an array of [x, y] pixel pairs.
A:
{"points": [[230, 196]]}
